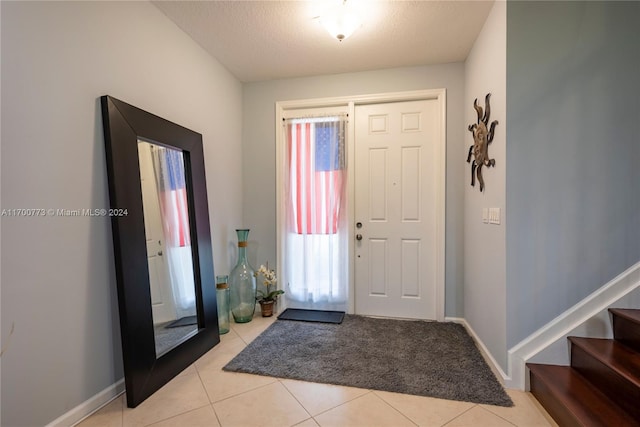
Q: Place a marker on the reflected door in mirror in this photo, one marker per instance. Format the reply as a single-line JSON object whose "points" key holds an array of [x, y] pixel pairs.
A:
{"points": [[169, 251]]}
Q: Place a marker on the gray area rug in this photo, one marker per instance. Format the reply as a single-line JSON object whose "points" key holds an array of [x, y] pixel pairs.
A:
{"points": [[412, 357]]}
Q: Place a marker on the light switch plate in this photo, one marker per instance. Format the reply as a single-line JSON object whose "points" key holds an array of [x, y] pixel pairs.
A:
{"points": [[485, 215], [494, 215]]}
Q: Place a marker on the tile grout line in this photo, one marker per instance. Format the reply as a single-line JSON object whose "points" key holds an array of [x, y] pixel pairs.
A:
{"points": [[207, 392], [499, 416], [328, 409], [242, 392], [180, 414], [348, 401], [296, 399], [242, 338], [390, 404], [459, 415], [361, 396], [480, 407], [394, 408]]}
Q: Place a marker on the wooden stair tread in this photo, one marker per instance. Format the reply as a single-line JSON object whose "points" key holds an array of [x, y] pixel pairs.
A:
{"points": [[617, 356], [630, 314], [587, 405]]}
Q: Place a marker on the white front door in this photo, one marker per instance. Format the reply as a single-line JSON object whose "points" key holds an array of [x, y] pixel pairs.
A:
{"points": [[396, 208]]}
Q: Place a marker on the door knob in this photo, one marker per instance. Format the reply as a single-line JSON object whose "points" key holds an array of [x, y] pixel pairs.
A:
{"points": [[358, 236], [359, 225]]}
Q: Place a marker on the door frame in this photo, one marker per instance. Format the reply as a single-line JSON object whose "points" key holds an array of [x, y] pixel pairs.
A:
{"points": [[286, 109]]}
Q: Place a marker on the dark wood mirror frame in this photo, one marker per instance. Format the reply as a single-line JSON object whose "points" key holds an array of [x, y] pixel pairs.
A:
{"points": [[124, 125]]}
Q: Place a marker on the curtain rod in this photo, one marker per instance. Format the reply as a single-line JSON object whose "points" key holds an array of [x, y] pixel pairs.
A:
{"points": [[316, 116]]}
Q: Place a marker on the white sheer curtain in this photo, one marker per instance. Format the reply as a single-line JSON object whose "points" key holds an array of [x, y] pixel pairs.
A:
{"points": [[168, 166], [315, 244]]}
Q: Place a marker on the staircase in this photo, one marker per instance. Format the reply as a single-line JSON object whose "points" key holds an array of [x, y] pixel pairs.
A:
{"points": [[602, 385]]}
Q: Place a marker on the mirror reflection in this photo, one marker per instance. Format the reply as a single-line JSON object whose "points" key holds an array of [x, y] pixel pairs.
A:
{"points": [[169, 255]]}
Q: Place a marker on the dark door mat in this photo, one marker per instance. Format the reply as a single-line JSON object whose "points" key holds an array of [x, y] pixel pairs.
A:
{"points": [[321, 316], [183, 321]]}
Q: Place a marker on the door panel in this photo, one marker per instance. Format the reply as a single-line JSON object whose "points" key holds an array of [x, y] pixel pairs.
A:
{"points": [[411, 188], [378, 271], [395, 200], [378, 185]]}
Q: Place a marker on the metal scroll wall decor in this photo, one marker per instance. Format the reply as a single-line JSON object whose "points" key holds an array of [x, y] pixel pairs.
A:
{"points": [[482, 137]]}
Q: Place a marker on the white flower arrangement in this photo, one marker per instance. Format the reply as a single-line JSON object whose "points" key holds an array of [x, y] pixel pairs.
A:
{"points": [[270, 279]]}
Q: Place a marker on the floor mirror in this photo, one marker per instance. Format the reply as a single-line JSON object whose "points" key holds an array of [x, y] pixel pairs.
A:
{"points": [[162, 245]]}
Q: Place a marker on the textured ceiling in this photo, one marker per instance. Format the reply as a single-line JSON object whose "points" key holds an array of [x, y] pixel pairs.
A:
{"points": [[265, 40]]}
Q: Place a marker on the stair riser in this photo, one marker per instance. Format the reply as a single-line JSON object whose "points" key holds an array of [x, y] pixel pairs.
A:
{"points": [[572, 400], [551, 403], [627, 395], [627, 332]]}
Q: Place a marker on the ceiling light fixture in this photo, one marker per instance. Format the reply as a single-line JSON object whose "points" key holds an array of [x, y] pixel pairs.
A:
{"points": [[340, 19]]}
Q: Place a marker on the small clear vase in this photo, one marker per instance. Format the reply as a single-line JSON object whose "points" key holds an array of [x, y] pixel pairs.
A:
{"points": [[242, 283], [222, 299]]}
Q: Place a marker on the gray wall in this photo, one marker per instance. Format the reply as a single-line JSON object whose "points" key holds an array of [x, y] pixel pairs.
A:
{"points": [[573, 154], [259, 165], [58, 279], [484, 244]]}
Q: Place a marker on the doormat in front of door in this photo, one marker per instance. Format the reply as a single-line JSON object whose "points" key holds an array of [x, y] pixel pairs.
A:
{"points": [[403, 356], [303, 315], [183, 321]]}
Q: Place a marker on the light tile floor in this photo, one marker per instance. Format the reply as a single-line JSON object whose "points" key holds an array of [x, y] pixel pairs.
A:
{"points": [[204, 395]]}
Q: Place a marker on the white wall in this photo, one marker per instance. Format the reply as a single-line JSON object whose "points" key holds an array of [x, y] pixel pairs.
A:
{"points": [[58, 278], [258, 138], [484, 244], [573, 181]]}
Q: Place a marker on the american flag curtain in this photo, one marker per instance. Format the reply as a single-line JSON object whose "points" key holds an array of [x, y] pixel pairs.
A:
{"points": [[172, 194], [316, 152]]}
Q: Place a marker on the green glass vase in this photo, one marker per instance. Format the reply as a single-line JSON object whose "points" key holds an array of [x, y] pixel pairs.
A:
{"points": [[222, 299], [242, 283]]}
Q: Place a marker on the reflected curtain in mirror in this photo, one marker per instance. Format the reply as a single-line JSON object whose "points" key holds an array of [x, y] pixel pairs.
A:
{"points": [[168, 166]]}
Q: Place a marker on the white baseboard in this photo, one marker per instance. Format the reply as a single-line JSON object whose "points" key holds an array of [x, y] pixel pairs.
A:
{"points": [[488, 357], [561, 326], [88, 407]]}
